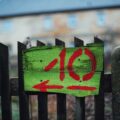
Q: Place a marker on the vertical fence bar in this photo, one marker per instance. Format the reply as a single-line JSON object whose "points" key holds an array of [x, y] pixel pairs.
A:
{"points": [[42, 100], [99, 99], [5, 85], [23, 98], [116, 83], [80, 101], [61, 98]]}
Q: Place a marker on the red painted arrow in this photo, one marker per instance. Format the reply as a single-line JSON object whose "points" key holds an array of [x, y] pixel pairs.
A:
{"points": [[43, 86], [86, 88]]}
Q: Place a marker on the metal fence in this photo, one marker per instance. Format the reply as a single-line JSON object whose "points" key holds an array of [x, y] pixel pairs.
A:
{"points": [[15, 87]]}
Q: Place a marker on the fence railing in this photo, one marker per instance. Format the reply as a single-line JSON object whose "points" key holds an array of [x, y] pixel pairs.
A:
{"points": [[15, 87]]}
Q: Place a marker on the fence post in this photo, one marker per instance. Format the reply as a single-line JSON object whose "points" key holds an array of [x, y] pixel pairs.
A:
{"points": [[5, 85], [23, 98], [80, 101], [99, 99], [116, 83], [42, 100], [61, 98]]}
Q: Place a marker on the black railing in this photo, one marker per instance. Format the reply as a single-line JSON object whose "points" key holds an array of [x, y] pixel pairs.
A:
{"points": [[15, 87]]}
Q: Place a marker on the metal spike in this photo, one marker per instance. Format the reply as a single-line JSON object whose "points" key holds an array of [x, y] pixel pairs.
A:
{"points": [[59, 42], [78, 42], [97, 40], [39, 43]]}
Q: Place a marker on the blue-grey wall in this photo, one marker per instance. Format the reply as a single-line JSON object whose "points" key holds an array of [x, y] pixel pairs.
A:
{"points": [[21, 7]]}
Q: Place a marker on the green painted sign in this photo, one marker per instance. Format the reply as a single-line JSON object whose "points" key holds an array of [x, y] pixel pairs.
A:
{"points": [[74, 71]]}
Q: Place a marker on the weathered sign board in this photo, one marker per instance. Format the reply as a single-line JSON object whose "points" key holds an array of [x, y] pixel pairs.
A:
{"points": [[75, 71]]}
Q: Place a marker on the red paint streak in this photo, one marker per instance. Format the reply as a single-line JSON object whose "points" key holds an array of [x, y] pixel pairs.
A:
{"points": [[76, 54], [51, 65], [89, 75], [62, 62], [86, 88], [43, 86]]}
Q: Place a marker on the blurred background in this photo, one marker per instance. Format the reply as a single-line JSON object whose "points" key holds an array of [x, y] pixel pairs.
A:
{"points": [[47, 20]]}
